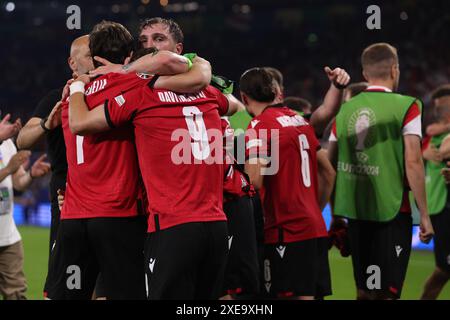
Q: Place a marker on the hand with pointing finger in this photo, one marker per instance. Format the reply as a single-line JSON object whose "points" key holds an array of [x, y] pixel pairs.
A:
{"points": [[338, 77], [40, 168]]}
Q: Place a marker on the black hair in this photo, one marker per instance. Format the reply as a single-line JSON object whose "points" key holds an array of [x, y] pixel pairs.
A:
{"points": [[112, 41], [258, 84]]}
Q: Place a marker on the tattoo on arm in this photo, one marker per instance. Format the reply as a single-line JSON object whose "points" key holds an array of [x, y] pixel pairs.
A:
{"points": [[127, 67]]}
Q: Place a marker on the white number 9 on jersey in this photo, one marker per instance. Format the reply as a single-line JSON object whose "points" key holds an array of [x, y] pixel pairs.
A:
{"points": [[197, 130]]}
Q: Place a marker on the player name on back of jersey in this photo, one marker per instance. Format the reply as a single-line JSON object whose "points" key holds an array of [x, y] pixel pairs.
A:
{"points": [[288, 121], [172, 97], [96, 86]]}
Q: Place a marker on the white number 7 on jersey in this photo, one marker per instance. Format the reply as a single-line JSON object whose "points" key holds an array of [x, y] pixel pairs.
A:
{"points": [[306, 174]]}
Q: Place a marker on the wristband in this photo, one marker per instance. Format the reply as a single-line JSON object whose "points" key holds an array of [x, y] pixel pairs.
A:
{"points": [[223, 84], [339, 86], [43, 121], [190, 57], [77, 86], [189, 64]]}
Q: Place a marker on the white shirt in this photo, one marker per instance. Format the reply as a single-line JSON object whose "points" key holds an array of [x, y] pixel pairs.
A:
{"points": [[8, 231]]}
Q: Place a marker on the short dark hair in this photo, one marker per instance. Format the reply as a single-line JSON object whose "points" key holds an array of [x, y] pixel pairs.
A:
{"points": [[110, 40], [277, 75], [441, 91], [356, 88], [174, 28], [377, 60], [258, 84], [298, 104]]}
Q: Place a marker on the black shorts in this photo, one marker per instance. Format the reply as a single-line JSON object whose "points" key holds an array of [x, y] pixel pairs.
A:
{"points": [[54, 223], [381, 248], [297, 269], [86, 247], [441, 226], [242, 270], [259, 220], [187, 261], [259, 226]]}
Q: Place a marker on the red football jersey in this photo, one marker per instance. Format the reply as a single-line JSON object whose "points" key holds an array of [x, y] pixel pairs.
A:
{"points": [[177, 138], [290, 194], [103, 178]]}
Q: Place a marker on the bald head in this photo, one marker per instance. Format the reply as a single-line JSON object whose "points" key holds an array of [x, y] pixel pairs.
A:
{"points": [[80, 60], [78, 44]]}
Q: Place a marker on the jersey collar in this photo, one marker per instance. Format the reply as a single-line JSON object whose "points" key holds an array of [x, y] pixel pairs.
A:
{"points": [[378, 88], [277, 105]]}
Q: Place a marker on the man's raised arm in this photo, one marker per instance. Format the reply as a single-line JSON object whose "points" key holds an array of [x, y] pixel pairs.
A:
{"points": [[320, 118], [158, 62], [198, 77]]}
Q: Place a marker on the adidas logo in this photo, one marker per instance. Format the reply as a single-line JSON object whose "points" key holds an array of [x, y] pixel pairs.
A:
{"points": [[151, 264], [281, 250]]}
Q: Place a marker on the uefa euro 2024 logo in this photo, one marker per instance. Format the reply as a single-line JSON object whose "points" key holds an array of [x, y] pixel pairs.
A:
{"points": [[359, 130]]}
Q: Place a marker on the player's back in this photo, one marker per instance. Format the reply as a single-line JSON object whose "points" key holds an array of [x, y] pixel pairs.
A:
{"points": [[103, 173], [179, 143], [290, 194]]}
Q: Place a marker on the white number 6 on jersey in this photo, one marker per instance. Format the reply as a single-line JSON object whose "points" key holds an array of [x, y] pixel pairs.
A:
{"points": [[304, 145]]}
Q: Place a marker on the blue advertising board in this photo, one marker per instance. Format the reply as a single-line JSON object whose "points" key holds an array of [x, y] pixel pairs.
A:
{"points": [[40, 216]]}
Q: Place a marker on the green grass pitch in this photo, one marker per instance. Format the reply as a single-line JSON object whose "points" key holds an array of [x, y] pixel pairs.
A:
{"points": [[420, 267]]}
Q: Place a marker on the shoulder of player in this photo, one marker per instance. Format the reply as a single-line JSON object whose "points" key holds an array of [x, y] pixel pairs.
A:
{"points": [[264, 121], [120, 78]]}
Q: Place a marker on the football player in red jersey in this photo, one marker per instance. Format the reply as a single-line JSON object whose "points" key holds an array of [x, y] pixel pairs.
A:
{"points": [[104, 194], [241, 275], [187, 244], [284, 159]]}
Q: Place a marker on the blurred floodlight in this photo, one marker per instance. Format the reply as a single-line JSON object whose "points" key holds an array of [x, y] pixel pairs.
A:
{"points": [[245, 9], [10, 6], [404, 16], [115, 8], [191, 6]]}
